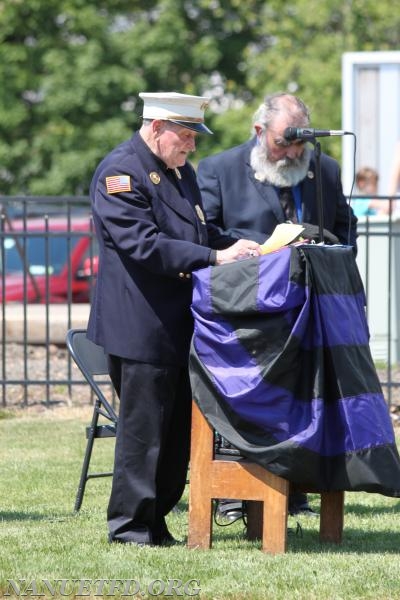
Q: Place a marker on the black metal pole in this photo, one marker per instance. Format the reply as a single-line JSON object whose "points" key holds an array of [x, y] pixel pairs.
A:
{"points": [[318, 183]]}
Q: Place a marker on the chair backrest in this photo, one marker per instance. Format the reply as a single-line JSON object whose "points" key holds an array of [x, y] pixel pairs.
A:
{"points": [[89, 357], [91, 360]]}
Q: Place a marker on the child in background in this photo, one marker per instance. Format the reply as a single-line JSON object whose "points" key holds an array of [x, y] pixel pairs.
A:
{"points": [[367, 185]]}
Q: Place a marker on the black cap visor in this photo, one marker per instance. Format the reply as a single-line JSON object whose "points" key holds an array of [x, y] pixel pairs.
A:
{"points": [[199, 127]]}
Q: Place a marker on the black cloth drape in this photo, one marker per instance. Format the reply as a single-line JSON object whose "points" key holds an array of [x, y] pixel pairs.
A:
{"points": [[280, 366]]}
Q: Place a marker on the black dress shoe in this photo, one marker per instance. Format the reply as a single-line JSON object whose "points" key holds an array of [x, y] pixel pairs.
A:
{"points": [[137, 541], [167, 540], [230, 510], [131, 542], [303, 509], [163, 537]]}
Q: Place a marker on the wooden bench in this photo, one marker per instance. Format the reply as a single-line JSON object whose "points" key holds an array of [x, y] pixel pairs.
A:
{"points": [[267, 495]]}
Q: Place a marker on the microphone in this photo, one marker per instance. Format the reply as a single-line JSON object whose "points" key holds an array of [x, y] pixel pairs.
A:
{"points": [[304, 133]]}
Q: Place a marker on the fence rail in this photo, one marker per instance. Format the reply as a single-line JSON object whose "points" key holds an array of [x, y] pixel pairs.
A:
{"points": [[48, 260]]}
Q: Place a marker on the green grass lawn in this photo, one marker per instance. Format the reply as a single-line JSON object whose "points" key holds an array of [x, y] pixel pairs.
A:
{"points": [[42, 539]]}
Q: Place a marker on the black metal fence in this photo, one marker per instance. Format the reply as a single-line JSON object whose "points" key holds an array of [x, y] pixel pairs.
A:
{"points": [[48, 261]]}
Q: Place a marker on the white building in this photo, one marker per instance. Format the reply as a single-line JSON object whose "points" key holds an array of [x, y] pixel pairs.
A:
{"points": [[371, 110]]}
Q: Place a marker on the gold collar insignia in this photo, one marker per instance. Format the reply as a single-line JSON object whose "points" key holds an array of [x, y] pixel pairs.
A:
{"points": [[155, 178]]}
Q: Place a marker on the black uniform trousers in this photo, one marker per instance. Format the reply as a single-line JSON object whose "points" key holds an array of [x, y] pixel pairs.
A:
{"points": [[152, 448]]}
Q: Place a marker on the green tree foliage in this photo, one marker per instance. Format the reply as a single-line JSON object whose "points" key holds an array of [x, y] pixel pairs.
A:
{"points": [[71, 71]]}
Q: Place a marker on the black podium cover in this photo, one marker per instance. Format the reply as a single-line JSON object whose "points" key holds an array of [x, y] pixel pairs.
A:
{"points": [[280, 366]]}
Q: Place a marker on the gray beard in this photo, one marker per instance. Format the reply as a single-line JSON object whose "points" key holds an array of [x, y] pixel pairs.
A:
{"points": [[283, 173]]}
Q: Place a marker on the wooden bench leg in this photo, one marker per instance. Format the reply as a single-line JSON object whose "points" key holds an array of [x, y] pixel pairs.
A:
{"points": [[209, 478], [200, 528], [267, 521], [331, 519], [254, 520], [275, 518], [200, 501]]}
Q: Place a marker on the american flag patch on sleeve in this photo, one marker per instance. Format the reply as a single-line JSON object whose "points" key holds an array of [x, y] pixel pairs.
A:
{"points": [[118, 183]]}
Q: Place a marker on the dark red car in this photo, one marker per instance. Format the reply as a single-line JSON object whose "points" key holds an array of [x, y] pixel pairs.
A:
{"points": [[47, 259]]}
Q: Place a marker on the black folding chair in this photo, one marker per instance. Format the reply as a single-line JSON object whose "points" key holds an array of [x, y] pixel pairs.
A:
{"points": [[92, 361]]}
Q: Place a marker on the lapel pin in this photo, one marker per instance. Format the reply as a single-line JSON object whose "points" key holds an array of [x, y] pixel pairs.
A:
{"points": [[200, 214], [155, 178]]}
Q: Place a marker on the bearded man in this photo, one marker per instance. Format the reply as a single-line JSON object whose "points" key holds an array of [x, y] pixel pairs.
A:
{"points": [[249, 189]]}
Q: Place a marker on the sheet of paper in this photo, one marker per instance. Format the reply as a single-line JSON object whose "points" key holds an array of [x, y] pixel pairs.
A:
{"points": [[283, 234]]}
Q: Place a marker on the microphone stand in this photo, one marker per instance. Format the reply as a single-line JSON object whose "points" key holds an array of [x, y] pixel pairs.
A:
{"points": [[318, 183]]}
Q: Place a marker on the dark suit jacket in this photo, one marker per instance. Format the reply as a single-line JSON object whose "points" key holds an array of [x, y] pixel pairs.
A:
{"points": [[150, 239], [244, 207]]}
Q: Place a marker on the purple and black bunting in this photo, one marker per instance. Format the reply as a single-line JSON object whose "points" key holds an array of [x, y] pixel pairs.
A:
{"points": [[281, 367]]}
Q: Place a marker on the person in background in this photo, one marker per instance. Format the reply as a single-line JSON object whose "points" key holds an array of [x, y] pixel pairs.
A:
{"points": [[152, 234], [367, 185], [249, 189]]}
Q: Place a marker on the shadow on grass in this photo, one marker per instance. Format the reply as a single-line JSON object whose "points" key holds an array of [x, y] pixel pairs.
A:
{"points": [[300, 540], [354, 541], [182, 506], [361, 509], [9, 516]]}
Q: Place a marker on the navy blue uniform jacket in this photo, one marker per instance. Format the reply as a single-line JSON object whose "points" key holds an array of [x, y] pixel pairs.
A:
{"points": [[150, 239], [244, 207]]}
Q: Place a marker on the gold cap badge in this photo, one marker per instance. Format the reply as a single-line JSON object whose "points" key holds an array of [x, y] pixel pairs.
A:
{"points": [[155, 178], [200, 214]]}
